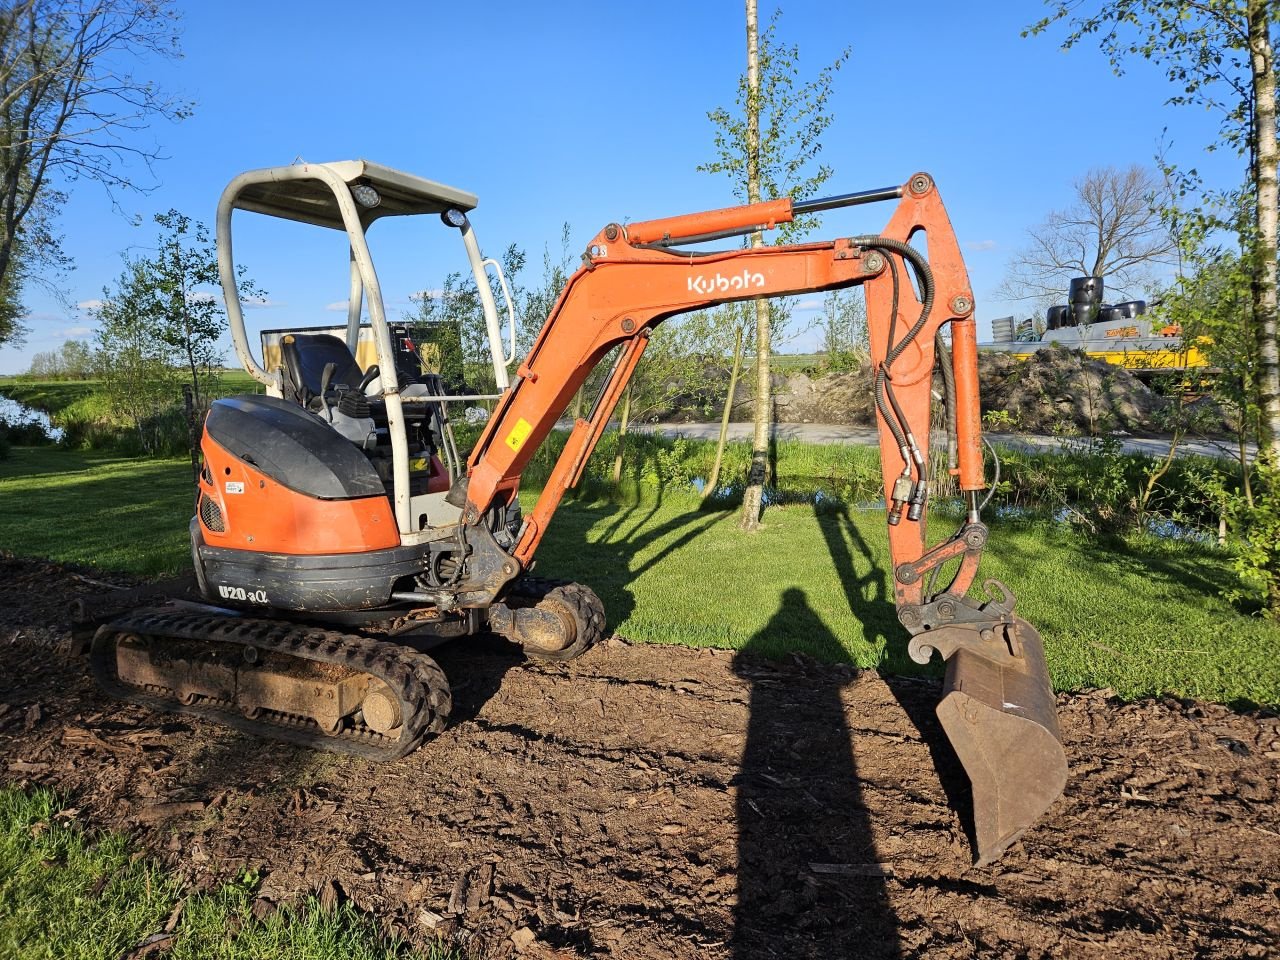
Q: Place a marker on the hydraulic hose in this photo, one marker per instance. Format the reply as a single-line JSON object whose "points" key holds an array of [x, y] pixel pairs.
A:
{"points": [[912, 255], [905, 491]]}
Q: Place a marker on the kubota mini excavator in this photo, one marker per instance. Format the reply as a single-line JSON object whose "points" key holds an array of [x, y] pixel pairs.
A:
{"points": [[337, 533]]}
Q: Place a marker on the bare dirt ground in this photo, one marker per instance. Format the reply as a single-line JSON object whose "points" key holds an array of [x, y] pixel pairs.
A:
{"points": [[648, 801]]}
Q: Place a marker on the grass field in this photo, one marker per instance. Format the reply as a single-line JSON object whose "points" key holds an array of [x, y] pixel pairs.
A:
{"points": [[1143, 617], [73, 895], [55, 396]]}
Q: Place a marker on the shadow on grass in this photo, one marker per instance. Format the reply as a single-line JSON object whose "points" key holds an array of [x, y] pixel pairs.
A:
{"points": [[50, 460], [1190, 568]]}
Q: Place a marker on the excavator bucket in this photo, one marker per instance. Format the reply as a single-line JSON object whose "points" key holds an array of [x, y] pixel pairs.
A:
{"points": [[998, 712]]}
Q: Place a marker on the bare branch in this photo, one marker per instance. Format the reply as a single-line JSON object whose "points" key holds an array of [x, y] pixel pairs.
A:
{"points": [[1111, 231], [69, 107]]}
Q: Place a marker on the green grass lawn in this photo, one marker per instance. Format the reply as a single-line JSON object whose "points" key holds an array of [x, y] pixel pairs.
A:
{"points": [[51, 396], [1143, 617], [73, 895], [55, 396]]}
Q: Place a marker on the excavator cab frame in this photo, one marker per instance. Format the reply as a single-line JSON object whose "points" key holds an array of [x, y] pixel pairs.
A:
{"points": [[351, 196]]}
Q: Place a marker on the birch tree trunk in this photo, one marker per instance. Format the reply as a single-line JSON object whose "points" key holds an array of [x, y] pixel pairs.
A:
{"points": [[1264, 287], [753, 496]]}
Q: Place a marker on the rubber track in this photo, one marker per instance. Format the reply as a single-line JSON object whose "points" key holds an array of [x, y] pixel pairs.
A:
{"points": [[416, 679]]}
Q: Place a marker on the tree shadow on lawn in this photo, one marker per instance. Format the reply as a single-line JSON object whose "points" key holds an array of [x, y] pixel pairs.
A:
{"points": [[51, 460], [606, 564], [1196, 570]]}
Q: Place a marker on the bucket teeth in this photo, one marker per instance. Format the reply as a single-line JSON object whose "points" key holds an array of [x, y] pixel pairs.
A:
{"points": [[999, 716]]}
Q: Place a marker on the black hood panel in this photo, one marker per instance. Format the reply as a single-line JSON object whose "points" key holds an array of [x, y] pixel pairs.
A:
{"points": [[292, 446]]}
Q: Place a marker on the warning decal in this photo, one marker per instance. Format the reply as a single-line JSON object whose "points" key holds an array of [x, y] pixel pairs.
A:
{"points": [[519, 434]]}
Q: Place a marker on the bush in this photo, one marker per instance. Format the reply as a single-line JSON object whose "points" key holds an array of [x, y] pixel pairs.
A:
{"points": [[22, 433], [1094, 485], [1256, 546]]}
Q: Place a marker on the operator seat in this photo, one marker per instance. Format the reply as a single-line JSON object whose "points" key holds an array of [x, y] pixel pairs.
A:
{"points": [[305, 357]]}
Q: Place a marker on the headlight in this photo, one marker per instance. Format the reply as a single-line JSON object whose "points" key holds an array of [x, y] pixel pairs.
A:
{"points": [[365, 195]]}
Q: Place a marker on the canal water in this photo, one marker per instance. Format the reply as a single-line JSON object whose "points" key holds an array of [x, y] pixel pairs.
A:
{"points": [[16, 414]]}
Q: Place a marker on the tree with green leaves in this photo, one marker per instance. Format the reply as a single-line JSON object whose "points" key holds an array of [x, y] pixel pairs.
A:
{"points": [[1217, 54], [768, 147], [676, 372], [72, 361], [537, 302], [846, 342], [162, 324], [457, 306], [70, 106]]}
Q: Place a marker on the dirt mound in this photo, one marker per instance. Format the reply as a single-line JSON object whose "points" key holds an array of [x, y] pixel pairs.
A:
{"points": [[1055, 390], [1059, 389], [648, 801]]}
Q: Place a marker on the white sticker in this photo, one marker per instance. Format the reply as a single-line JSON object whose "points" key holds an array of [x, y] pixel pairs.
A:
{"points": [[235, 486]]}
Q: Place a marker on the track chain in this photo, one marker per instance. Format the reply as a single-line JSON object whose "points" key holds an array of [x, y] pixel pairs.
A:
{"points": [[416, 679]]}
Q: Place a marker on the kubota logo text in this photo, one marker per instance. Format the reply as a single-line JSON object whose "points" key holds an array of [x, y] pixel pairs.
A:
{"points": [[722, 284]]}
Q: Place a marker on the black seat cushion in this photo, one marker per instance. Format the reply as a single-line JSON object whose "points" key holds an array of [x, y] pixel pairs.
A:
{"points": [[306, 355]]}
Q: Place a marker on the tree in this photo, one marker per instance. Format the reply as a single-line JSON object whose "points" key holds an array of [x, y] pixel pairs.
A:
{"points": [[538, 302], [730, 321], [458, 306], [164, 321], [69, 105], [843, 324], [73, 360], [1217, 54], [140, 380], [1111, 230], [767, 147], [676, 372]]}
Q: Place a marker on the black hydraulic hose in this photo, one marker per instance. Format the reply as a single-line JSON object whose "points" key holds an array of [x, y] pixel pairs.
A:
{"points": [[881, 385], [911, 255], [898, 424], [995, 481], [883, 390]]}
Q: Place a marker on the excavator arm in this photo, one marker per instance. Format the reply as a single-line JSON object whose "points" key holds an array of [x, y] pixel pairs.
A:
{"points": [[997, 706]]}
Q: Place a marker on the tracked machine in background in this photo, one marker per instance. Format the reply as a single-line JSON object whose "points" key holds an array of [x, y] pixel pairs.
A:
{"points": [[338, 534]]}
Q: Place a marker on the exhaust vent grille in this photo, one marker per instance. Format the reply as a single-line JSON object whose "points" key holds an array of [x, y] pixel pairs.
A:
{"points": [[210, 515]]}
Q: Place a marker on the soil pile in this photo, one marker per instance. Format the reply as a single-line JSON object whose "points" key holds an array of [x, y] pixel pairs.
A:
{"points": [[1054, 391], [1060, 390], [648, 802]]}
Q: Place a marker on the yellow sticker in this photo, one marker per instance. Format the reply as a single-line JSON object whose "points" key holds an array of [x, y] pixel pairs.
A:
{"points": [[519, 434]]}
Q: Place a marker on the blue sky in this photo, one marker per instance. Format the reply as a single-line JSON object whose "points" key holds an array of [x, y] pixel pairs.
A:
{"points": [[591, 113]]}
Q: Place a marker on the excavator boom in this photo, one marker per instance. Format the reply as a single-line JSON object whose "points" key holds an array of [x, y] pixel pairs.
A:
{"points": [[997, 706]]}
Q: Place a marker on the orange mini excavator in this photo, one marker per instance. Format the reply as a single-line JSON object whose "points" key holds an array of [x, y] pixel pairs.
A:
{"points": [[338, 533]]}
